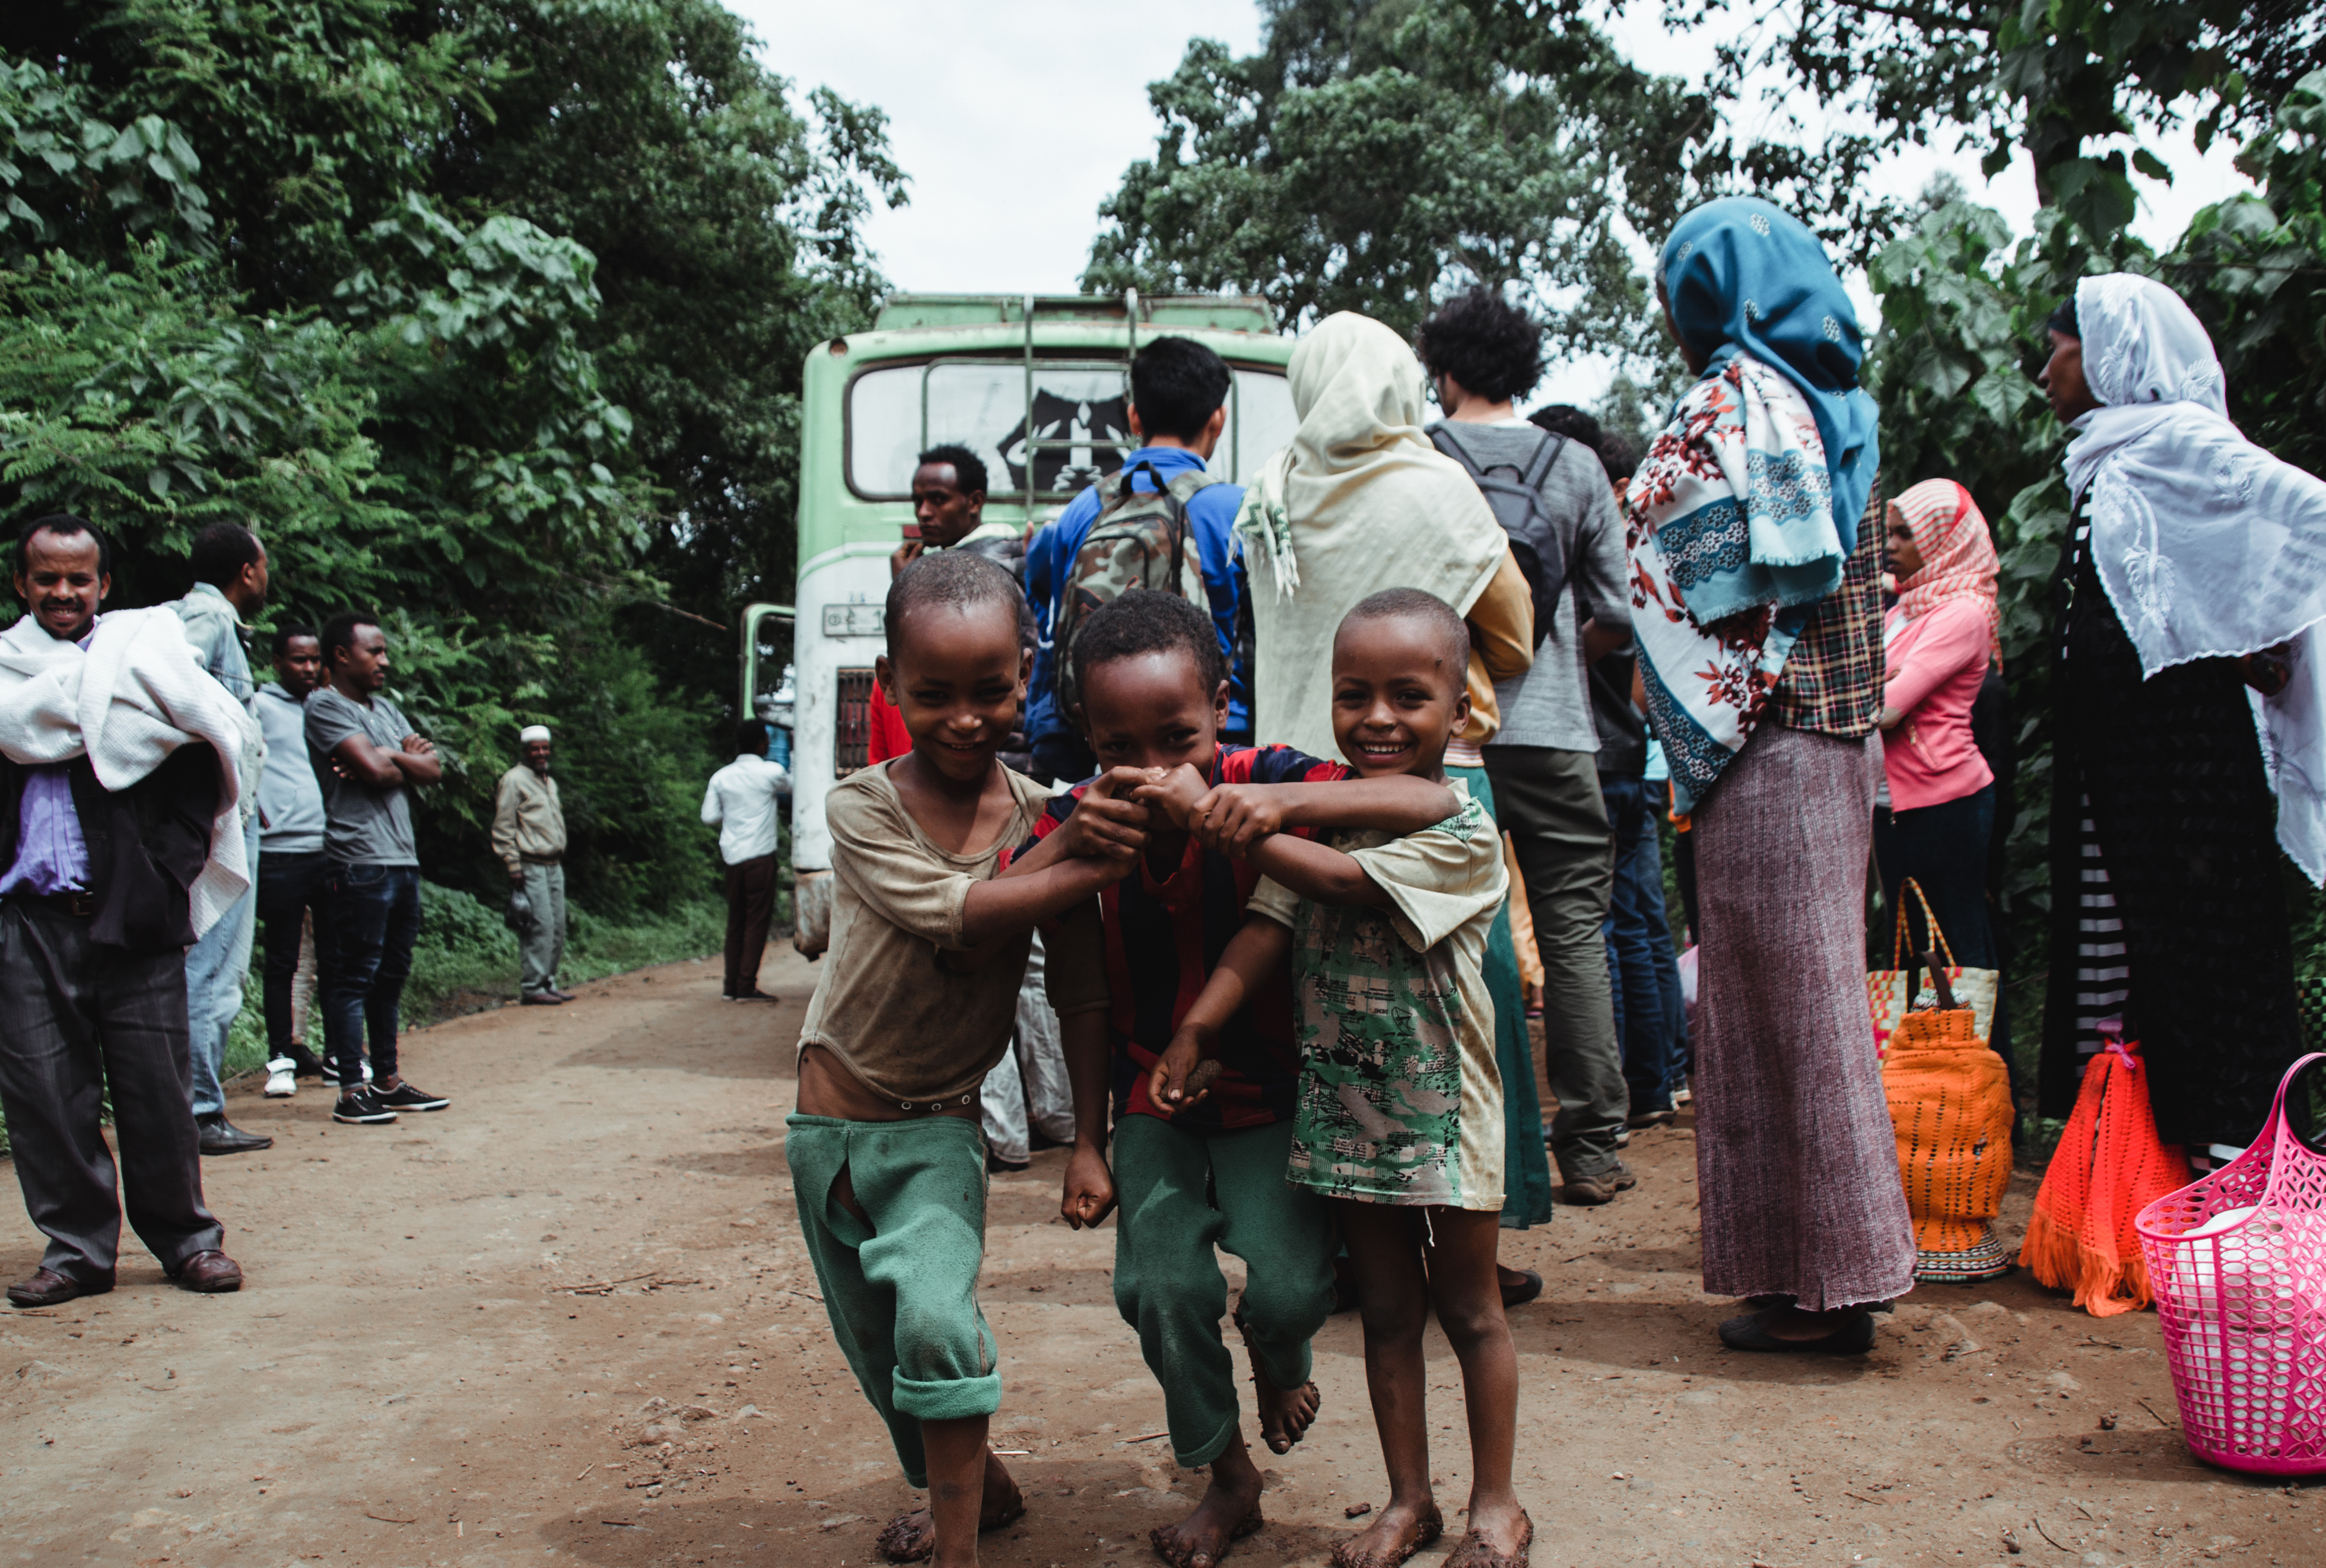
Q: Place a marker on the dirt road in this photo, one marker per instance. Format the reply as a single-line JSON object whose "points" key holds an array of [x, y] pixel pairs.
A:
{"points": [[569, 1318]]}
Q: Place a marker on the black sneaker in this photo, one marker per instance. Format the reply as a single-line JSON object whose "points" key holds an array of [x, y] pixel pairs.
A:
{"points": [[408, 1097], [362, 1107]]}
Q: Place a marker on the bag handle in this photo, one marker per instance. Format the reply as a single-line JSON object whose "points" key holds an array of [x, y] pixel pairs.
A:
{"points": [[1930, 923], [2269, 1128]]}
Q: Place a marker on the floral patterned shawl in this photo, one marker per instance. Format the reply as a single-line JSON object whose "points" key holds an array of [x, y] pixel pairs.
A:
{"points": [[1739, 462]]}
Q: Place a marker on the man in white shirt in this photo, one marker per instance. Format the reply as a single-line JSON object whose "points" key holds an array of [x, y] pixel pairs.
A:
{"points": [[741, 804]]}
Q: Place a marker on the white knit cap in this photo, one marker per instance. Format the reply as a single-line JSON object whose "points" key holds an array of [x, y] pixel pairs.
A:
{"points": [[531, 733]]}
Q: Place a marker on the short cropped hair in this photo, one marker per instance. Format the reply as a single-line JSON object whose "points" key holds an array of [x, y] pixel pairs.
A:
{"points": [[1413, 604], [968, 468], [221, 551], [339, 631], [961, 578], [64, 525], [285, 636], [1144, 621], [752, 735], [1564, 419], [1177, 384], [1619, 454], [1488, 345]]}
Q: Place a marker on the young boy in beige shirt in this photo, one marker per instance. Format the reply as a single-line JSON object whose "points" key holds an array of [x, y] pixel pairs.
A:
{"points": [[915, 1005]]}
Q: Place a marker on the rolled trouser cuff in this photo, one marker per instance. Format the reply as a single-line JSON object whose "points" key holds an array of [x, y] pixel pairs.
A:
{"points": [[951, 1399]]}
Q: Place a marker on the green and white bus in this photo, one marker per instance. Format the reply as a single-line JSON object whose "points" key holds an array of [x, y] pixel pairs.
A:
{"points": [[1037, 386]]}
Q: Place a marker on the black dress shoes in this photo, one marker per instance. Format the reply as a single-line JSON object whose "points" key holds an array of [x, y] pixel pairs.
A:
{"points": [[221, 1136], [48, 1288]]}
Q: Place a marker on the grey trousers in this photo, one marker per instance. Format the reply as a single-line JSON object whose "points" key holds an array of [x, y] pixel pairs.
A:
{"points": [[1548, 799], [540, 950], [80, 1019]]}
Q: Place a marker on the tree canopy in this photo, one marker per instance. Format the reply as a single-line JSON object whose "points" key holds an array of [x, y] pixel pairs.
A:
{"points": [[490, 315]]}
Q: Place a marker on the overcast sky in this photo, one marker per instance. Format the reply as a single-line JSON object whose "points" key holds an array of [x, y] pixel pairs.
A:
{"points": [[1016, 118]]}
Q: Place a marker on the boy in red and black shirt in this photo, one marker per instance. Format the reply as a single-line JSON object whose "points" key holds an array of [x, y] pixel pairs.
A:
{"points": [[1155, 693]]}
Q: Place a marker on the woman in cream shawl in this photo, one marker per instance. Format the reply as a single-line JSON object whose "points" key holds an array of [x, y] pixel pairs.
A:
{"points": [[1360, 502]]}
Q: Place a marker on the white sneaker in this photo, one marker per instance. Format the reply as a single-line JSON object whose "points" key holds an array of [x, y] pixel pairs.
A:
{"points": [[282, 1078]]}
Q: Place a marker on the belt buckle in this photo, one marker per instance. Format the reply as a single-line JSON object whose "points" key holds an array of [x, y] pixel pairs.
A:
{"points": [[80, 905]]}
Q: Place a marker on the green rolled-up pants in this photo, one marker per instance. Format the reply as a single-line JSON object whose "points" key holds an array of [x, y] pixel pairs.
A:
{"points": [[1184, 1193], [901, 1290]]}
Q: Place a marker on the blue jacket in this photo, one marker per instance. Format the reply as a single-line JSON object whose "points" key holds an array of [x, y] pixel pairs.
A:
{"points": [[1211, 516]]}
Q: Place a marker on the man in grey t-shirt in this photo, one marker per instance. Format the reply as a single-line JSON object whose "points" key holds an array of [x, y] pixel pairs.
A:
{"points": [[367, 757], [1542, 763]]}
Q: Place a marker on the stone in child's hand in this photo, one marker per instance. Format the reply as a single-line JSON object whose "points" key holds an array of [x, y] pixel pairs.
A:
{"points": [[1200, 1078]]}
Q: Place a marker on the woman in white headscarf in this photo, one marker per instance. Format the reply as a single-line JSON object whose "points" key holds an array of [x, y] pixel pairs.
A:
{"points": [[2188, 693], [1360, 502]]}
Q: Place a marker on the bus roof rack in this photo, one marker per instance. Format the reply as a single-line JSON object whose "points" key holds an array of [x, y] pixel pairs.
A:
{"points": [[1225, 313]]}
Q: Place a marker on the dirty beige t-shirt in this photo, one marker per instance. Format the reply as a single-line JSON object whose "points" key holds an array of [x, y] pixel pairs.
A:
{"points": [[912, 1030]]}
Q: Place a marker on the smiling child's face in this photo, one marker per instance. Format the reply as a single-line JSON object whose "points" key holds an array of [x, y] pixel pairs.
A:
{"points": [[956, 681], [1151, 710], [1399, 699]]}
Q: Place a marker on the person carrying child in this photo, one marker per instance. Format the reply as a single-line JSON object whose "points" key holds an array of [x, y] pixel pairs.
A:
{"points": [[1155, 695], [1400, 1114], [915, 1007]]}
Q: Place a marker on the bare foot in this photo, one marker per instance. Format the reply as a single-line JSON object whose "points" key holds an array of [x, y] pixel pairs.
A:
{"points": [[912, 1538], [1396, 1534], [1229, 1512], [1497, 1538], [1285, 1413]]}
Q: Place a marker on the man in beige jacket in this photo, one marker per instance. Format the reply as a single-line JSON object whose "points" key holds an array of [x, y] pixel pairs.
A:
{"points": [[529, 836]]}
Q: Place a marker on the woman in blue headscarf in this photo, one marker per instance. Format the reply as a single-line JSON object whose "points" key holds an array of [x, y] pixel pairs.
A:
{"points": [[1754, 538]]}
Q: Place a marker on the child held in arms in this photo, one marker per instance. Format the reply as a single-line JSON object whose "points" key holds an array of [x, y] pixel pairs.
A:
{"points": [[1154, 691], [915, 1006], [1399, 1119]]}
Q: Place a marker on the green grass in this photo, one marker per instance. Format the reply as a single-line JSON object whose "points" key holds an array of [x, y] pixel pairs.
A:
{"points": [[466, 960]]}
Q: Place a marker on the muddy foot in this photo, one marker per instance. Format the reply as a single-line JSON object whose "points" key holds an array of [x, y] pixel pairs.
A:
{"points": [[1398, 1534], [912, 1538], [1285, 1413], [1489, 1546], [1201, 1539]]}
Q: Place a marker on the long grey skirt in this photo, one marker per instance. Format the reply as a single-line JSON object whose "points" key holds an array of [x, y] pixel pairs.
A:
{"points": [[1797, 1165]]}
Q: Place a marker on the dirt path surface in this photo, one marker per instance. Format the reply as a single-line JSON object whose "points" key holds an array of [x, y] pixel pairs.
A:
{"points": [[569, 1319]]}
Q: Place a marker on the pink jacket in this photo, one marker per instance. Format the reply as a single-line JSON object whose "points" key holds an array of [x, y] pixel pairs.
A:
{"points": [[1936, 664]]}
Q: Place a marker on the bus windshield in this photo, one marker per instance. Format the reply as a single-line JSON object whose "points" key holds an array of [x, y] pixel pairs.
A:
{"points": [[1075, 429]]}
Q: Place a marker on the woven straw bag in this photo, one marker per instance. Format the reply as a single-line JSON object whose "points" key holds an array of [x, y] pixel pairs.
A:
{"points": [[1885, 989], [1951, 1106]]}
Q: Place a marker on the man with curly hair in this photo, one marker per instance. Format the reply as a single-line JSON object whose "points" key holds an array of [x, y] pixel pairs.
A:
{"points": [[1481, 353]]}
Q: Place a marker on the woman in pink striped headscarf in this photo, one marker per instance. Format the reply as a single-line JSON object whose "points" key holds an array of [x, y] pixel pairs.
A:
{"points": [[1937, 818]]}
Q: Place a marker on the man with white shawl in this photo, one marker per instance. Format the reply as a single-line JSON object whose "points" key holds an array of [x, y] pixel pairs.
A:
{"points": [[2189, 692], [120, 843]]}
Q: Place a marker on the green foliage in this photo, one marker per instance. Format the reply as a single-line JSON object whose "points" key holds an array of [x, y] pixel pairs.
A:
{"points": [[486, 314], [1962, 335], [1375, 157], [2050, 80]]}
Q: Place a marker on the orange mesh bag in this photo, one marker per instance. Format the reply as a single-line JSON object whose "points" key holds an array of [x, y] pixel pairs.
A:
{"points": [[2111, 1166], [1950, 1105]]}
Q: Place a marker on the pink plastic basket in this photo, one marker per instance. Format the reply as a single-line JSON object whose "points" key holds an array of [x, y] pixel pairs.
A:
{"points": [[2237, 1260]]}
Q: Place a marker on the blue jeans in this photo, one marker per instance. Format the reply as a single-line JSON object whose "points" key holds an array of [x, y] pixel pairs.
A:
{"points": [[373, 912], [1645, 976], [215, 968]]}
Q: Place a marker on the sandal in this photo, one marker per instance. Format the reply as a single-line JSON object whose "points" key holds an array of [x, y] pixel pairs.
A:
{"points": [[1523, 1290], [1751, 1332]]}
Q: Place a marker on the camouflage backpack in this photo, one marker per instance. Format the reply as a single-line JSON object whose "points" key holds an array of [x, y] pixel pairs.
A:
{"points": [[1140, 539]]}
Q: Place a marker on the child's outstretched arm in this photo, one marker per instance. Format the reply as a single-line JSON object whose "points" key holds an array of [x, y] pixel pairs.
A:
{"points": [[1318, 871], [1089, 1193], [1233, 818], [1253, 954]]}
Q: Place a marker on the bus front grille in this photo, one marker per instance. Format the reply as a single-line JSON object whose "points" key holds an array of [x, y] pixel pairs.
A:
{"points": [[852, 734]]}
